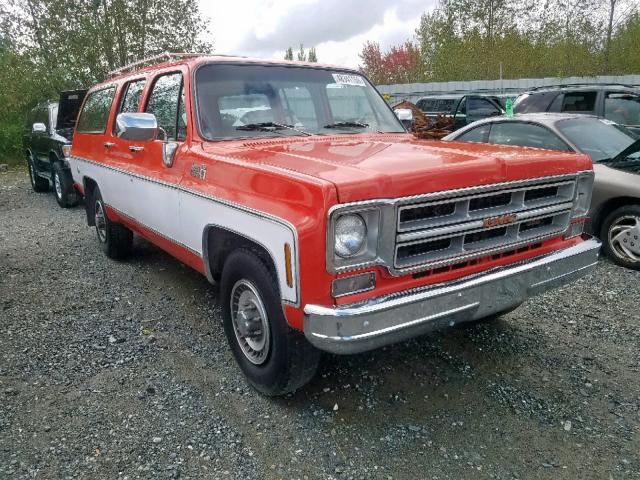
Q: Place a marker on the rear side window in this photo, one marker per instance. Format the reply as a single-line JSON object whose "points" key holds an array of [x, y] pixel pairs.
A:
{"points": [[622, 108], [166, 102], [525, 135], [95, 112], [579, 102], [478, 134], [534, 102], [132, 96]]}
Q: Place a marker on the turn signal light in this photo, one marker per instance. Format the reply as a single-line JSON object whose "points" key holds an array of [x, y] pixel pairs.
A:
{"points": [[287, 264], [354, 284]]}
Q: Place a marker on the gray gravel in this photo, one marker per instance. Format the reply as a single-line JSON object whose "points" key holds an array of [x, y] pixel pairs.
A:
{"points": [[121, 370]]}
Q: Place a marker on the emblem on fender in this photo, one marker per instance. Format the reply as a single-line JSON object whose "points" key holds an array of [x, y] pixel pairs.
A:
{"points": [[198, 171], [501, 220]]}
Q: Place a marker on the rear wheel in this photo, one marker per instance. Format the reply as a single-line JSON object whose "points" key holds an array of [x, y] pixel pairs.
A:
{"points": [[275, 358], [38, 183], [66, 195], [620, 236], [115, 239]]}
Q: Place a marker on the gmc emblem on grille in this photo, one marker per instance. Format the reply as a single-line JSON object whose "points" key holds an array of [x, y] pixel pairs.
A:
{"points": [[497, 221]]}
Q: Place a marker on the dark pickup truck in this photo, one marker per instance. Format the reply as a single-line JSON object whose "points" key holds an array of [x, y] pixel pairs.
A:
{"points": [[47, 143], [463, 109]]}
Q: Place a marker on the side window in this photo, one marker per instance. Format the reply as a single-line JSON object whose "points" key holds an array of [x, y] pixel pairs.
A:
{"points": [[481, 107], [95, 113], [132, 95], [478, 134], [525, 135], [556, 105], [579, 102], [164, 102], [422, 104], [622, 108]]}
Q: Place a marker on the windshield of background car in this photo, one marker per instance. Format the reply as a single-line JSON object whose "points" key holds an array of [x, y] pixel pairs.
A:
{"points": [[600, 139], [240, 101]]}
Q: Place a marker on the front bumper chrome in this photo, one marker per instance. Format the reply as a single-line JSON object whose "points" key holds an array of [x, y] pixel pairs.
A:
{"points": [[394, 318]]}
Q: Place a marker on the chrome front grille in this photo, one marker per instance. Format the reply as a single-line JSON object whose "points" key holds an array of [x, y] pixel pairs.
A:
{"points": [[456, 227]]}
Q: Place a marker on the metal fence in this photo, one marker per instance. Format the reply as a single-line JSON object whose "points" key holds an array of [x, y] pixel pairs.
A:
{"points": [[414, 91]]}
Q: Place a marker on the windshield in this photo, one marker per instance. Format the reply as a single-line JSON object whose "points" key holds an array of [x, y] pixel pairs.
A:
{"points": [[240, 101], [600, 139]]}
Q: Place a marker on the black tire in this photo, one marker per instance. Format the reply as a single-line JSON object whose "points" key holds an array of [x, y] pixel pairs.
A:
{"points": [[115, 239], [65, 194], [624, 251], [288, 361], [38, 183]]}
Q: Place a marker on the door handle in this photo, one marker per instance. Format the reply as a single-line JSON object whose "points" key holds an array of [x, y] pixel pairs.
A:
{"points": [[108, 144], [136, 148]]}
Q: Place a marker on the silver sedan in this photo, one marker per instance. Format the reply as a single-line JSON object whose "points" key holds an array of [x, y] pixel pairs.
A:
{"points": [[615, 151]]}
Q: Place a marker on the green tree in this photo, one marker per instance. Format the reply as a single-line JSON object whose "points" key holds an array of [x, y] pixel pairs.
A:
{"points": [[313, 57], [50, 45], [302, 56], [288, 55]]}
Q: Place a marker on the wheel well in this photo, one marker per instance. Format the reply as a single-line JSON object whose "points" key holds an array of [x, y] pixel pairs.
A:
{"points": [[219, 243], [607, 207], [89, 186]]}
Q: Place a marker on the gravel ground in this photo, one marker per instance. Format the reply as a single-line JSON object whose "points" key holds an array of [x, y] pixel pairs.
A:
{"points": [[121, 370]]}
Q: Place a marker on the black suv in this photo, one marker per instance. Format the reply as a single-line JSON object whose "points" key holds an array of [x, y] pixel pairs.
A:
{"points": [[47, 143], [615, 102]]}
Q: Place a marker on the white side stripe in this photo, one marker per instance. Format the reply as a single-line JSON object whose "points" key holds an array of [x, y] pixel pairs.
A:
{"points": [[181, 215]]}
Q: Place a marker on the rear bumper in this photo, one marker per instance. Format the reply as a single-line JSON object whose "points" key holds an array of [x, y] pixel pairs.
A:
{"points": [[385, 320]]}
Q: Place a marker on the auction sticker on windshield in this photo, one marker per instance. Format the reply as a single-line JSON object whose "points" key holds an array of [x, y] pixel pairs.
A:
{"points": [[345, 79]]}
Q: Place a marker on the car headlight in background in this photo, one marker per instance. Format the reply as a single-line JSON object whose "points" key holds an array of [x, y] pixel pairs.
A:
{"points": [[350, 235], [584, 188], [66, 150]]}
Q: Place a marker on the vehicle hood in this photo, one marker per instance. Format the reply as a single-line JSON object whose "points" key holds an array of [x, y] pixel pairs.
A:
{"points": [[364, 167]]}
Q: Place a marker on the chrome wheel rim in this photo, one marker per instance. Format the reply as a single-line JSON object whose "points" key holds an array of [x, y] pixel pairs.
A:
{"points": [[58, 186], [624, 238], [101, 222], [32, 173], [250, 322]]}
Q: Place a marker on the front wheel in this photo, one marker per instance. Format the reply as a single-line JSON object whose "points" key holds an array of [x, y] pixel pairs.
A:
{"points": [[66, 196], [38, 183], [275, 358], [115, 239], [620, 236]]}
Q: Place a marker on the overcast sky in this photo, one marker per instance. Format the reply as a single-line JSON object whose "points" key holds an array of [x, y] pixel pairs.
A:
{"points": [[337, 28]]}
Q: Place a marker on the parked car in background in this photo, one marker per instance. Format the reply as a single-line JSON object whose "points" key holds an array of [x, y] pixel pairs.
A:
{"points": [[326, 225], [618, 103], [47, 143], [615, 151], [463, 109]]}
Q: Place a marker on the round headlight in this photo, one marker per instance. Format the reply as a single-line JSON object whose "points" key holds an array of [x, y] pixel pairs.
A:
{"points": [[350, 232]]}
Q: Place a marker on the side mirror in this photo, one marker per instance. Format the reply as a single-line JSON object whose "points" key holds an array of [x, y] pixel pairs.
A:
{"points": [[405, 115], [136, 126], [39, 127]]}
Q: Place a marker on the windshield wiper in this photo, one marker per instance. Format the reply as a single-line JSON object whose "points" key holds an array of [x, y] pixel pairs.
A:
{"points": [[633, 148], [348, 124], [270, 127]]}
